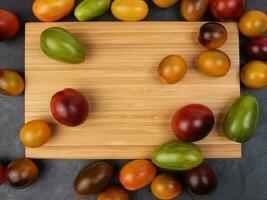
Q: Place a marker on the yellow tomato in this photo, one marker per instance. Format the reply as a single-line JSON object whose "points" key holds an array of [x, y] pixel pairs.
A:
{"points": [[129, 10], [11, 83], [253, 23], [52, 10], [35, 133], [254, 74], [165, 3]]}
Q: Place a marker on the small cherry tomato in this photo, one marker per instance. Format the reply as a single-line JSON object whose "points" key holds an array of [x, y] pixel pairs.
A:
{"points": [[11, 83], [165, 3], [257, 48], [253, 23], [51, 10], [21, 173], [172, 69], [200, 180], [113, 193], [137, 174], [69, 107], [214, 63], [194, 10], [9, 25], [35, 133], [227, 10], [212, 35], [129, 10], [254, 74], [2, 173], [166, 186], [193, 122]]}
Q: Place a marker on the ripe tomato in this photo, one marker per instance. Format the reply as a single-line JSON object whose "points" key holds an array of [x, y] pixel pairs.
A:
{"points": [[51, 10], [113, 193], [253, 23], [257, 48], [137, 174], [35, 133], [9, 25], [2, 173], [165, 186], [254, 74], [165, 3]]}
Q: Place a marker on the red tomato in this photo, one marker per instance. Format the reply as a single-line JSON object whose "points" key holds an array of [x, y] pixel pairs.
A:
{"points": [[9, 25], [257, 48], [2, 173], [227, 10], [113, 193], [137, 174], [69, 107], [192, 122]]}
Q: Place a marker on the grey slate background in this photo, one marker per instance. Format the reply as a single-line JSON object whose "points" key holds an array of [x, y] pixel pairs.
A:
{"points": [[244, 178]]}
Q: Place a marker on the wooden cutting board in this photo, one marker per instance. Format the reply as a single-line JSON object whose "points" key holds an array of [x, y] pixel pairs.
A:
{"points": [[131, 108]]}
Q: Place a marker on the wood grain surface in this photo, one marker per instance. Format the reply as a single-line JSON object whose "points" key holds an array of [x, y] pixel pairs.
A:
{"points": [[131, 108]]}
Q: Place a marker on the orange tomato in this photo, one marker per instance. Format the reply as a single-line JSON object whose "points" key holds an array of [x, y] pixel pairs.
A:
{"points": [[165, 3], [11, 83], [165, 186], [35, 133], [52, 10], [113, 193], [137, 174]]}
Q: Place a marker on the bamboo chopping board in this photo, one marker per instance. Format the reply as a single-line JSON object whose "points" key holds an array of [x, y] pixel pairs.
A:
{"points": [[131, 108]]}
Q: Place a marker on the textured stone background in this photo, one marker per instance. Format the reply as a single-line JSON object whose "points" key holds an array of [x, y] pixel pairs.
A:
{"points": [[244, 178]]}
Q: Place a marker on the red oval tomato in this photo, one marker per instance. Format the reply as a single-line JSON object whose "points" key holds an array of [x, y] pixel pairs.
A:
{"points": [[200, 180], [192, 122], [227, 10], [9, 25], [137, 174], [69, 107], [2, 173], [257, 48]]}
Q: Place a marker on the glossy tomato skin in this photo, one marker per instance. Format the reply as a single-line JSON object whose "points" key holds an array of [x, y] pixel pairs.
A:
{"points": [[21, 173], [69, 107], [193, 122], [164, 3], [9, 25], [11, 82], [257, 48], [51, 10], [113, 193], [2, 173], [166, 186], [93, 178], [194, 10], [200, 180], [35, 133], [227, 10], [137, 174]]}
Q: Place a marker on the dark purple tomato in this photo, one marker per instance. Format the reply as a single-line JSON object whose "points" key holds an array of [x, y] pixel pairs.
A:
{"points": [[192, 122], [200, 180], [21, 173], [69, 107], [227, 10], [9, 25], [2, 173], [257, 48]]}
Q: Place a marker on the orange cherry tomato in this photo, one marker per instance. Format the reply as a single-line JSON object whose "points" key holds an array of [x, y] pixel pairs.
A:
{"points": [[52, 10], [166, 186], [165, 3], [11, 83], [254, 74], [253, 23], [172, 69], [35, 133], [113, 193], [137, 174]]}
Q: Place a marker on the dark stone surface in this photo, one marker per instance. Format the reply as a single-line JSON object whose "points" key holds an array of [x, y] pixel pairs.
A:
{"points": [[244, 178]]}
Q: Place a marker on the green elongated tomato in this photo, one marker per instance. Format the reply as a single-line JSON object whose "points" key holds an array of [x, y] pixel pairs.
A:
{"points": [[91, 9], [60, 44], [241, 120], [177, 156]]}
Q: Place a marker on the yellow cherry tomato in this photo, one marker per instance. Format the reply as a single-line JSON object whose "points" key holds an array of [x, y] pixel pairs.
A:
{"points": [[254, 74], [165, 3], [35, 133], [11, 83], [253, 23], [214, 63], [52, 10], [129, 10]]}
